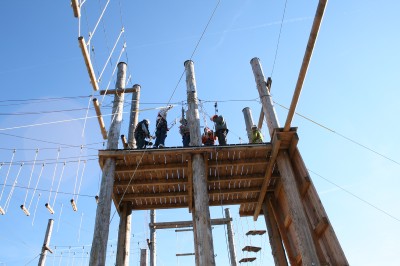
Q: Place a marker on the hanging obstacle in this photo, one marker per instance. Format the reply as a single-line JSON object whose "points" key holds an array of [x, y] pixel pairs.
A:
{"points": [[251, 249], [77, 8], [256, 232], [7, 204], [49, 208], [59, 182], [73, 203], [23, 208], [247, 260], [100, 118], [88, 63], [2, 211]]}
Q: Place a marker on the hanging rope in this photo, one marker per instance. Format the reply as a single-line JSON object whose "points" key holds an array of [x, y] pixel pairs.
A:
{"points": [[8, 172], [80, 183], [77, 171], [30, 177], [34, 213], [12, 189], [59, 217], [203, 113], [59, 182], [37, 183], [86, 116], [80, 226], [54, 174]]}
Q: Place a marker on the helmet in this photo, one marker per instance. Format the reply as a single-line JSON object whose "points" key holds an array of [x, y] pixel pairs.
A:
{"points": [[147, 121], [214, 117], [253, 127]]}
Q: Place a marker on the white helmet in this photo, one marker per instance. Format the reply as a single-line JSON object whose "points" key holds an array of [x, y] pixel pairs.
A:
{"points": [[147, 121]]}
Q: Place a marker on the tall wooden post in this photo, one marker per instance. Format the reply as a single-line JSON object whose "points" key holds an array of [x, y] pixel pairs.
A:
{"points": [[46, 243], [202, 212], [231, 240], [196, 250], [143, 257], [102, 224], [248, 119], [303, 233], [124, 234], [152, 246], [134, 116], [273, 233]]}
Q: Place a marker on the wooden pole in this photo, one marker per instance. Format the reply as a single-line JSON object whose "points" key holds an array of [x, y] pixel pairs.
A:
{"points": [[248, 120], [76, 7], [303, 233], [102, 223], [201, 204], [88, 63], [196, 250], [124, 235], [134, 116], [231, 239], [306, 61], [100, 118], [143, 257], [152, 246], [275, 239], [46, 243]]}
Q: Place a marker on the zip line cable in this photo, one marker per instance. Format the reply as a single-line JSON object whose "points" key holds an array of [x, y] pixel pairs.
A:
{"points": [[343, 136], [30, 177], [8, 172], [279, 38], [355, 196]]}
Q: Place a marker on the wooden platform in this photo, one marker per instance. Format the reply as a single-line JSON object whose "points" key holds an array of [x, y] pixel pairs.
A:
{"points": [[162, 178]]}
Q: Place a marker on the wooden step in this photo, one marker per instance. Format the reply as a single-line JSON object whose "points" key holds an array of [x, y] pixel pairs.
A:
{"points": [[251, 249], [247, 260], [256, 232]]}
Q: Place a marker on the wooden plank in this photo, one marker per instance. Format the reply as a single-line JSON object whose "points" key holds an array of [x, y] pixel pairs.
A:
{"points": [[100, 118], [184, 224], [256, 232], [247, 260], [321, 226], [118, 91], [76, 8], [251, 249], [293, 145], [143, 182], [88, 63], [268, 174]]}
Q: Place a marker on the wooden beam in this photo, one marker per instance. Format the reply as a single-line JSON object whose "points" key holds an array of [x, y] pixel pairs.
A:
{"points": [[100, 118], [144, 168], [134, 117], [124, 234], [118, 91], [76, 7], [268, 174], [88, 63], [321, 226], [184, 224], [306, 61]]}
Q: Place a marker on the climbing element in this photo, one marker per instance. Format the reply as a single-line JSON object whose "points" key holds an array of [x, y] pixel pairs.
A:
{"points": [[24, 209]]}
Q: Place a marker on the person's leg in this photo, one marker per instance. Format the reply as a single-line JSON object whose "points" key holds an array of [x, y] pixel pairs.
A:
{"points": [[221, 134], [158, 140], [140, 142]]}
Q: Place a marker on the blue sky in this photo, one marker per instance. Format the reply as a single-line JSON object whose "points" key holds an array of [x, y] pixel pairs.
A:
{"points": [[351, 95]]}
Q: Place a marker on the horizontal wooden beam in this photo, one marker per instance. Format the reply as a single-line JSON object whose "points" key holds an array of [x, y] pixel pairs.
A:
{"points": [[145, 168], [118, 91], [183, 224]]}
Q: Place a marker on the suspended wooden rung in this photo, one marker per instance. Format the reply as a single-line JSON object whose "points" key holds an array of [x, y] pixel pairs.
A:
{"points": [[251, 249], [256, 232], [2, 212], [25, 210], [73, 204], [97, 199], [100, 118], [48, 207], [185, 254], [247, 260], [88, 63], [76, 7]]}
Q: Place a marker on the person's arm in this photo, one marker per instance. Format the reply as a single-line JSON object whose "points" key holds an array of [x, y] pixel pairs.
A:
{"points": [[145, 130]]}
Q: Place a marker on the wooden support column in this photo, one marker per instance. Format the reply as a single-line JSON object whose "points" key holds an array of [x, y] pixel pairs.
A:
{"points": [[196, 250], [231, 239], [134, 117], [124, 234], [102, 223], [303, 233], [248, 119], [143, 257], [275, 239], [152, 245], [46, 243], [201, 205]]}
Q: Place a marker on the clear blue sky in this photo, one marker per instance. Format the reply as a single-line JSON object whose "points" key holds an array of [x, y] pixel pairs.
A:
{"points": [[351, 91]]}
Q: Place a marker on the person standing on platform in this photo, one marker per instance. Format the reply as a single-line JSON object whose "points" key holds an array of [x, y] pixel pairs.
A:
{"points": [[256, 136], [141, 133], [221, 129], [185, 132], [208, 138], [161, 127]]}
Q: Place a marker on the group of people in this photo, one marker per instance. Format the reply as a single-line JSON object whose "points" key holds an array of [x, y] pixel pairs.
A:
{"points": [[143, 137]]}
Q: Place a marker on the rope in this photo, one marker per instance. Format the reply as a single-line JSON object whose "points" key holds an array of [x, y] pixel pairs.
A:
{"points": [[98, 21], [80, 226], [34, 213], [8, 172], [80, 183], [30, 177], [34, 191], [58, 187], [59, 217], [12, 190], [279, 37], [77, 171], [86, 115], [54, 174]]}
